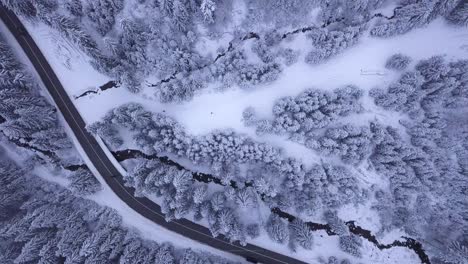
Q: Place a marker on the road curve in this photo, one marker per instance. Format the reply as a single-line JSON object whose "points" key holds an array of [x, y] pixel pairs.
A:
{"points": [[111, 175]]}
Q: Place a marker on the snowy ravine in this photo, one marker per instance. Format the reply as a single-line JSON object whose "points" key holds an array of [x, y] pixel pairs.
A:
{"points": [[409, 243]]}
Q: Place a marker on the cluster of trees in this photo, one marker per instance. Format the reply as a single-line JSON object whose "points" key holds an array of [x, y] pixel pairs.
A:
{"points": [[174, 185], [223, 146], [329, 42], [459, 15], [268, 49], [325, 186], [427, 186], [181, 195], [47, 11], [279, 13], [350, 13], [233, 69], [26, 115], [412, 168], [153, 133], [408, 167], [344, 21], [413, 14], [133, 49], [432, 162], [404, 165], [24, 7], [397, 62], [334, 260], [83, 182], [158, 133], [434, 83], [29, 121], [307, 190], [101, 13], [230, 69], [310, 110], [43, 223], [351, 244], [351, 143]]}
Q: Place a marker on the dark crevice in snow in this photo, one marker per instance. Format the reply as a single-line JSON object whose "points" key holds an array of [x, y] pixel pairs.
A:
{"points": [[254, 35], [2, 119], [229, 49], [366, 234], [309, 28], [329, 22], [122, 155], [75, 167], [408, 243], [250, 35], [313, 226], [166, 80], [106, 86], [23, 143], [390, 17]]}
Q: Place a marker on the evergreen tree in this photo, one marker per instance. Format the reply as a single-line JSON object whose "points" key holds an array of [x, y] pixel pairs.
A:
{"points": [[397, 62], [277, 230], [351, 244], [207, 8], [301, 234], [459, 14]]}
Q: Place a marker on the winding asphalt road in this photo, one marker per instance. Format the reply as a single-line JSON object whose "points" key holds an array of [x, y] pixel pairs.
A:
{"points": [[111, 175]]}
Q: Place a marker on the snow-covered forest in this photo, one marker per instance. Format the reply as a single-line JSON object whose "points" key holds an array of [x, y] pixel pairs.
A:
{"points": [[330, 131], [47, 212]]}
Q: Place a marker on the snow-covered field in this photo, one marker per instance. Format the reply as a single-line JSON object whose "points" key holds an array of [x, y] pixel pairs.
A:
{"points": [[361, 65]]}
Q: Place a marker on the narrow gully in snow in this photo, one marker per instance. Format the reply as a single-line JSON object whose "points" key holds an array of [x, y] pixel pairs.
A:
{"points": [[106, 86], [230, 48], [409, 243], [254, 35]]}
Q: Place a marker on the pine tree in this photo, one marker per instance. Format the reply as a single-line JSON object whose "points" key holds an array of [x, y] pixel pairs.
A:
{"points": [[459, 14], [397, 62], [351, 244], [207, 8], [277, 230], [301, 233]]}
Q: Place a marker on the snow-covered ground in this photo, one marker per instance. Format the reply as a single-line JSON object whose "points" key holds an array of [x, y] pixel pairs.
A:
{"points": [[361, 65]]}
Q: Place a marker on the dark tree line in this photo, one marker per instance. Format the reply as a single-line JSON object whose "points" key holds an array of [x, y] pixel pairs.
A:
{"points": [[29, 121]]}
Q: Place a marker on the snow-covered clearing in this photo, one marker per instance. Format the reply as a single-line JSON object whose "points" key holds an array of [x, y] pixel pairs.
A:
{"points": [[361, 65], [346, 68]]}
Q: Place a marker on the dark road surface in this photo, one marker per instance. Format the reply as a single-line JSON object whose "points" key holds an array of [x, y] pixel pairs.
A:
{"points": [[111, 175]]}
